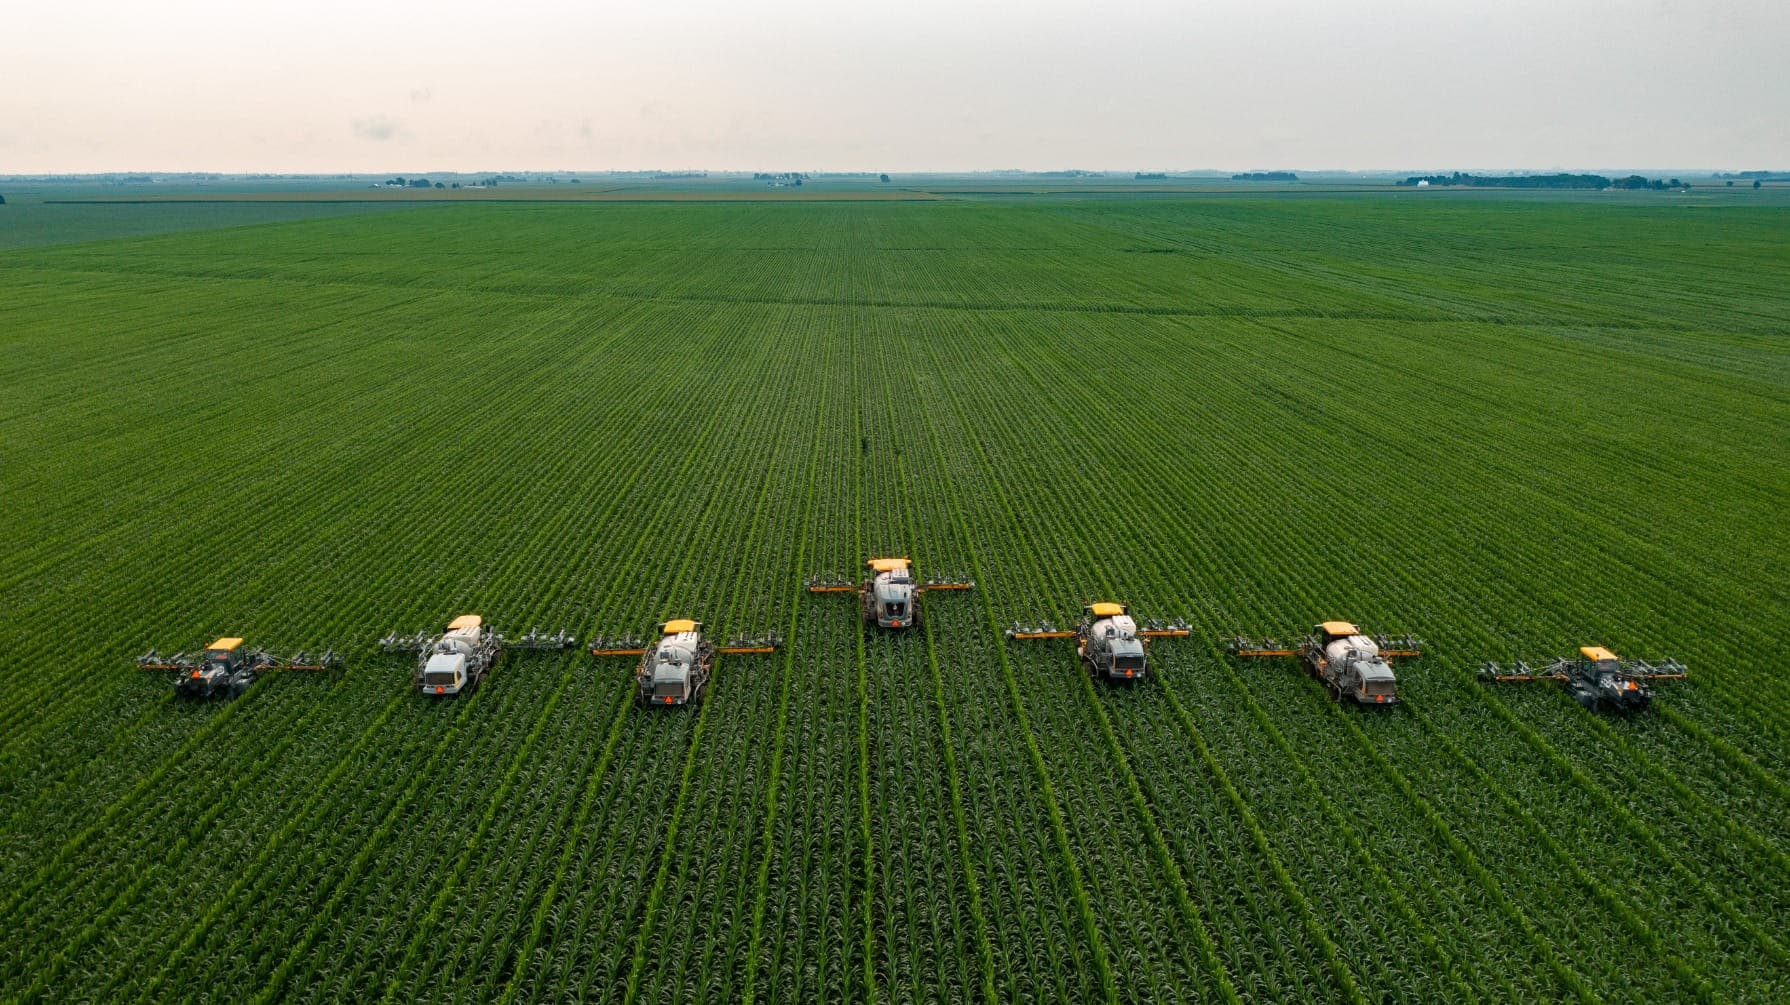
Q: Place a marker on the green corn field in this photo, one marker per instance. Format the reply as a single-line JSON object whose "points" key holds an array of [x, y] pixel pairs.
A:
{"points": [[1510, 426]]}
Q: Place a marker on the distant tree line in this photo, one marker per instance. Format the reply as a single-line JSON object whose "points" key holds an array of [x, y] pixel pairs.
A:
{"points": [[492, 181], [1636, 182], [1150, 176], [1265, 176], [1592, 181]]}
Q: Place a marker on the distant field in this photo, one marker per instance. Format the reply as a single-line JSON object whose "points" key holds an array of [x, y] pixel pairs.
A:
{"points": [[528, 193], [28, 220], [1509, 425], [918, 188]]}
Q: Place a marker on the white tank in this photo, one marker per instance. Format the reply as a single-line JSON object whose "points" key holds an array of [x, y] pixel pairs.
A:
{"points": [[678, 648], [1120, 626], [1105, 631], [897, 585], [1337, 649]]}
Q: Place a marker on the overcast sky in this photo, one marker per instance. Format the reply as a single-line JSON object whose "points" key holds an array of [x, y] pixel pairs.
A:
{"points": [[897, 85]]}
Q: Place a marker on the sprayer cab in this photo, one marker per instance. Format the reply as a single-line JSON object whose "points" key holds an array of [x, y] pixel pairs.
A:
{"points": [[1108, 643], [1351, 664], [224, 671], [678, 666], [892, 592]]}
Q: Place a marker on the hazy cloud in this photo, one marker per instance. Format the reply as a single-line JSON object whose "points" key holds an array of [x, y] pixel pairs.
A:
{"points": [[378, 128], [421, 95]]}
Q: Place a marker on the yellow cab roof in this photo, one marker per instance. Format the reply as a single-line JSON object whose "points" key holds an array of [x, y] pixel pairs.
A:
{"points": [[676, 625], [1340, 628], [225, 643], [1106, 609], [1596, 654], [465, 621], [888, 564]]}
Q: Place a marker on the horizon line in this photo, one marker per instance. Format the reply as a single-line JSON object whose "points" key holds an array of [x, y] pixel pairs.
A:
{"points": [[694, 172]]}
